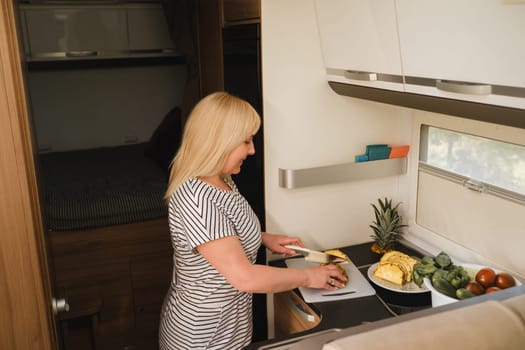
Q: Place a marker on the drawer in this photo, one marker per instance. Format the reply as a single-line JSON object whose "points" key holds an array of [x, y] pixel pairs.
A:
{"points": [[292, 314]]}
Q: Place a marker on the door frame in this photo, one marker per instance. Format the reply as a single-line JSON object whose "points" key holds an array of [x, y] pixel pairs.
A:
{"points": [[26, 320]]}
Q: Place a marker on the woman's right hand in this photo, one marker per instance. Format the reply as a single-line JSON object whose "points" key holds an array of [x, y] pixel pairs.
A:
{"points": [[327, 277]]}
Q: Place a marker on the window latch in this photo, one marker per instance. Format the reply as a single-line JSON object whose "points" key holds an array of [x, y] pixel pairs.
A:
{"points": [[474, 185]]}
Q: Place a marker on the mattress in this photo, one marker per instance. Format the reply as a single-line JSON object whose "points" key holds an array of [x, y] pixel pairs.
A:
{"points": [[99, 187]]}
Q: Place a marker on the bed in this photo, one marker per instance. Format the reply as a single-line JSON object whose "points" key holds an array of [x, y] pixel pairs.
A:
{"points": [[100, 187]]}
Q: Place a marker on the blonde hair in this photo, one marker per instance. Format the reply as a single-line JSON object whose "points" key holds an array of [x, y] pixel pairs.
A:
{"points": [[216, 125]]}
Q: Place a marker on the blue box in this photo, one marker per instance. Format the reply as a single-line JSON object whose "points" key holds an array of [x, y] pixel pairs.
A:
{"points": [[361, 158], [377, 153], [373, 147]]}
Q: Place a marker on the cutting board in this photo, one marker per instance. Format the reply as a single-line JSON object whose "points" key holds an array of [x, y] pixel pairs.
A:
{"points": [[357, 282]]}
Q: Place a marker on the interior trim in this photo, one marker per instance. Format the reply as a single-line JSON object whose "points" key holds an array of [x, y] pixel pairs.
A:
{"points": [[471, 184], [465, 109]]}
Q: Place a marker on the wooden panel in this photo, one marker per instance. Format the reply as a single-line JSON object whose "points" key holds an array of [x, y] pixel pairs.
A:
{"points": [[116, 316], [288, 319], [210, 47], [83, 301], [126, 269], [151, 277], [92, 246], [241, 10], [26, 320]]}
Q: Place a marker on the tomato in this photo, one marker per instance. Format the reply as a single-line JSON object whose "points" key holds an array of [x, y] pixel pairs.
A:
{"points": [[505, 280], [475, 288], [492, 289], [486, 277]]}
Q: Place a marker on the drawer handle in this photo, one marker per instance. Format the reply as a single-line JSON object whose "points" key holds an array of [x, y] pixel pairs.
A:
{"points": [[358, 75], [298, 308], [464, 87], [82, 53]]}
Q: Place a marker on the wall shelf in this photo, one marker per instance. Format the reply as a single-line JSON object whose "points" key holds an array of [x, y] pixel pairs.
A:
{"points": [[297, 178]]}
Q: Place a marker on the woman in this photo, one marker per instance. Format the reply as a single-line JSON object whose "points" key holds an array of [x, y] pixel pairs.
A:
{"points": [[216, 235]]}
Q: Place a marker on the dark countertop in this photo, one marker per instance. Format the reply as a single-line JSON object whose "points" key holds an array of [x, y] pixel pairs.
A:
{"points": [[354, 312], [358, 315]]}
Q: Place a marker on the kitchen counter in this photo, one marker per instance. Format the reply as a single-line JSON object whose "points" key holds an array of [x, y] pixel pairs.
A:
{"points": [[354, 312], [350, 317]]}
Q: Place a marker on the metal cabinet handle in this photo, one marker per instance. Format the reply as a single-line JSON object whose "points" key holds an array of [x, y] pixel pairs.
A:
{"points": [[464, 87], [81, 53], [59, 305], [358, 75], [300, 310]]}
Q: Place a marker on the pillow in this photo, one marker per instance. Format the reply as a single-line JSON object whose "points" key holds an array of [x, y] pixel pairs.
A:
{"points": [[165, 140]]}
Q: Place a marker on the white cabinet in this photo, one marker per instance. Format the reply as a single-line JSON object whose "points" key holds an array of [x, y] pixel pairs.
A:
{"points": [[470, 49], [148, 28], [360, 43], [75, 31], [87, 31]]}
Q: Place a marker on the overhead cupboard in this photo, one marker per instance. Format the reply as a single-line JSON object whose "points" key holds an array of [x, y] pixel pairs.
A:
{"points": [[471, 50], [360, 43], [91, 30]]}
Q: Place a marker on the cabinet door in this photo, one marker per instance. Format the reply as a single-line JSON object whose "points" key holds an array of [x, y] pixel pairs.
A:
{"points": [[469, 41], [360, 43], [148, 28], [75, 30]]}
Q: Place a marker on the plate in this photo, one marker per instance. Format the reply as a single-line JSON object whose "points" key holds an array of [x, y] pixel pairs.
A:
{"points": [[410, 287]]}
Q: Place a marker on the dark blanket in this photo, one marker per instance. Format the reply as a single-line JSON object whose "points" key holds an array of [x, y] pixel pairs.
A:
{"points": [[99, 187]]}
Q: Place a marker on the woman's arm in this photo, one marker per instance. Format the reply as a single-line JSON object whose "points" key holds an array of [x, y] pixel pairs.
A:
{"points": [[228, 257]]}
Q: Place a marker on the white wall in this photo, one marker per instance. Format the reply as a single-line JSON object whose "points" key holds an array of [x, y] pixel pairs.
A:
{"points": [[307, 125], [88, 108]]}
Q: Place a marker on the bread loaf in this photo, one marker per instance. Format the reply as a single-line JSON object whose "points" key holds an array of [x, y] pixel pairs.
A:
{"points": [[395, 267]]}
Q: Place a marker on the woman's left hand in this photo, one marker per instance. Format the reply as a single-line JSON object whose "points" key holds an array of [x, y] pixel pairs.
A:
{"points": [[276, 243]]}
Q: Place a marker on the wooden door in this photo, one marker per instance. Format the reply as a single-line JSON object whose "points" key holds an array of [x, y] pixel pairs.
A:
{"points": [[26, 320], [210, 57]]}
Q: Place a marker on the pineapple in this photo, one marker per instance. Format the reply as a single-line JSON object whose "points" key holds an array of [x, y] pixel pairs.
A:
{"points": [[387, 227]]}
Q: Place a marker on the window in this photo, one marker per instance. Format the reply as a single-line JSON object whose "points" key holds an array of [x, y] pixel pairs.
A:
{"points": [[481, 164]]}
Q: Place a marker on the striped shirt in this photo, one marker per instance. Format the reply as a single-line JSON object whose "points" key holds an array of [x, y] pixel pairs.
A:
{"points": [[202, 310]]}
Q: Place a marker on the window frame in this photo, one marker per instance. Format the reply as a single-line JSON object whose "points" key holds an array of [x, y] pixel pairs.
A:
{"points": [[467, 182]]}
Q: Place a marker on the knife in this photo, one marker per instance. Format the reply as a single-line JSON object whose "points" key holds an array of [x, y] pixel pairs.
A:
{"points": [[316, 256]]}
